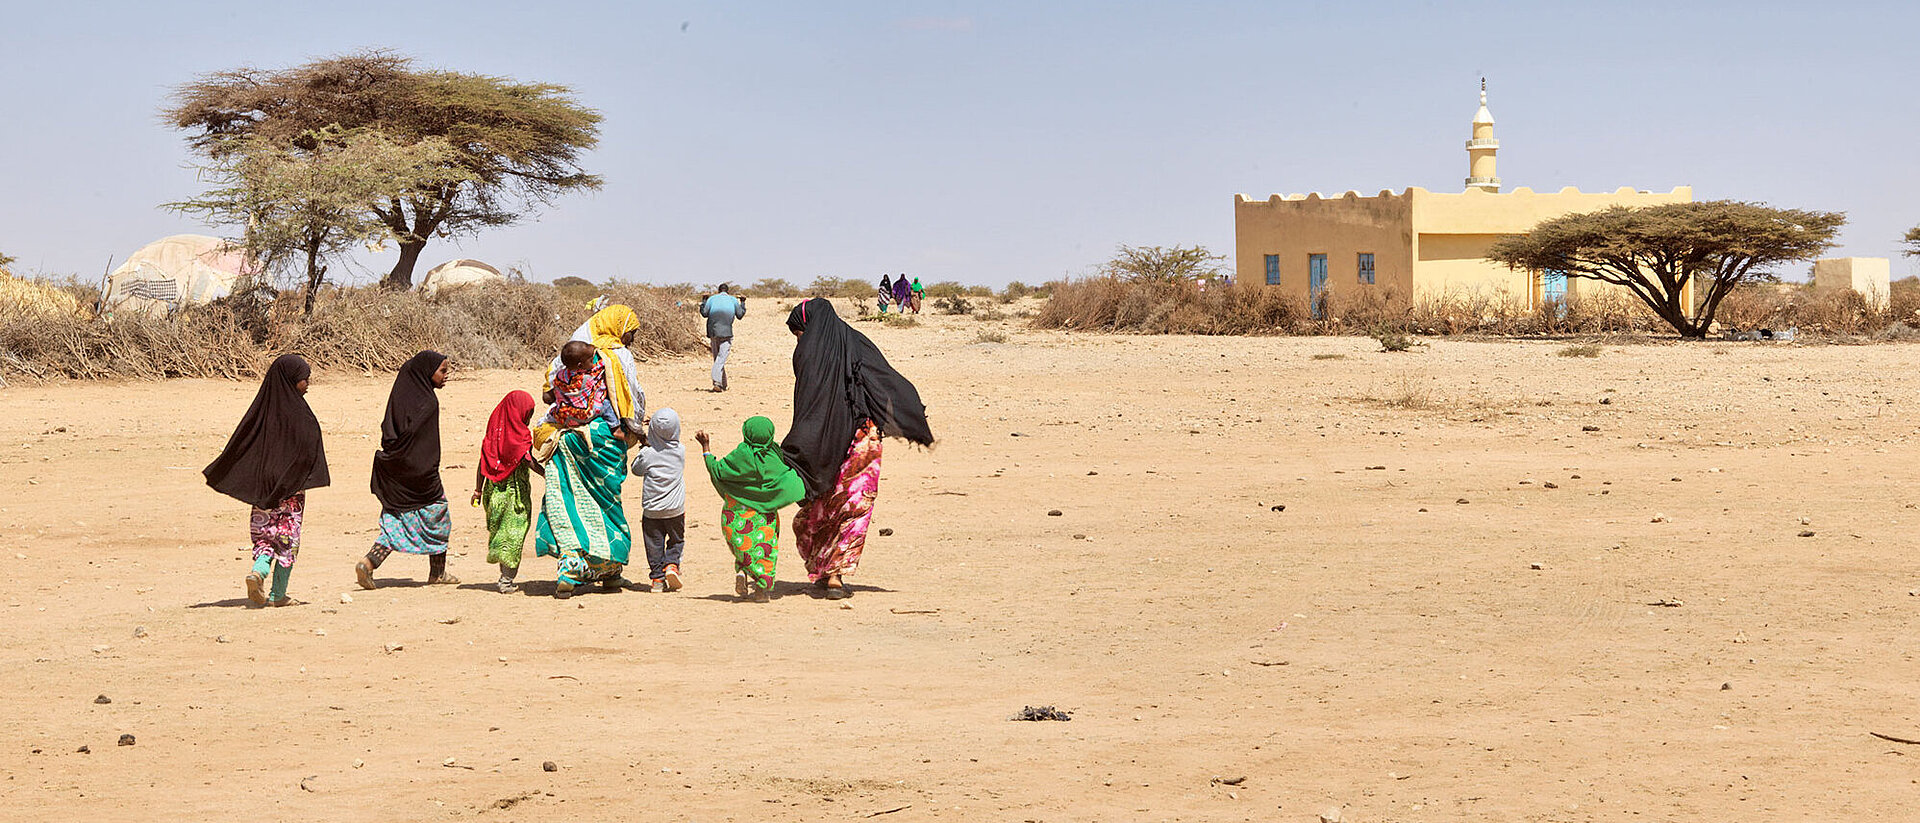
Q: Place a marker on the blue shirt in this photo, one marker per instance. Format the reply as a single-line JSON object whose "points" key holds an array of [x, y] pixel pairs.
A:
{"points": [[720, 311]]}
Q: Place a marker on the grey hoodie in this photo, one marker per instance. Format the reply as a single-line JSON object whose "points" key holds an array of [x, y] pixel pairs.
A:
{"points": [[661, 467]]}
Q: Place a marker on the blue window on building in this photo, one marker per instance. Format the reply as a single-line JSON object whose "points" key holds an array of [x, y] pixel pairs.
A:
{"points": [[1273, 270], [1366, 267]]}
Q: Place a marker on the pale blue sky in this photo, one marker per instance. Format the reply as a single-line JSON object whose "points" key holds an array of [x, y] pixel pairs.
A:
{"points": [[986, 142]]}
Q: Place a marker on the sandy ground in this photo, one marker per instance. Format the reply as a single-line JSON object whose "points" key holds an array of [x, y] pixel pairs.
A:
{"points": [[1385, 644]]}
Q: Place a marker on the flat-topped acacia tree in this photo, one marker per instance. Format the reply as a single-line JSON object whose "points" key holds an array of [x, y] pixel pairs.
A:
{"points": [[1657, 251], [1913, 242], [518, 145]]}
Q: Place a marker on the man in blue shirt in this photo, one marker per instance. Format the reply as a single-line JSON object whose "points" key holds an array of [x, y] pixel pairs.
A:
{"points": [[721, 310]]}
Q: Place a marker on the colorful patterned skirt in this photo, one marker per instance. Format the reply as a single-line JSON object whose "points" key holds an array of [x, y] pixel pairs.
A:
{"points": [[424, 530], [509, 508], [754, 537], [831, 530], [582, 521], [276, 531]]}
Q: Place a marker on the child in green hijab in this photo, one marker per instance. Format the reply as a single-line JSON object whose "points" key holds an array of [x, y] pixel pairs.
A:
{"points": [[754, 483]]}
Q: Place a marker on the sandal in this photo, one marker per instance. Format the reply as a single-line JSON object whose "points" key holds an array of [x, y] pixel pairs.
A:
{"points": [[444, 579], [286, 601], [740, 585], [562, 590], [363, 574], [256, 591]]}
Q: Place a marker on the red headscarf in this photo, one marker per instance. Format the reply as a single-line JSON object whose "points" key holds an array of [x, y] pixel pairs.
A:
{"points": [[508, 440]]}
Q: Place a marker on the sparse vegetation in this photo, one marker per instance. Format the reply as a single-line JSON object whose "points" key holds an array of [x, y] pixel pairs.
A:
{"points": [[990, 336], [1581, 350], [899, 321], [1393, 339], [953, 304], [1154, 264], [1329, 356], [824, 286], [494, 325], [773, 287]]}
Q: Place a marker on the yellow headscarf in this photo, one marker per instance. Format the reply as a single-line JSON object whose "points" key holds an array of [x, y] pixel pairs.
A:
{"points": [[606, 327]]}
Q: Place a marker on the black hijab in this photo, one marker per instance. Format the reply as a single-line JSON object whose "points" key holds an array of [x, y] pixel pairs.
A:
{"points": [[886, 284], [406, 469], [839, 379], [276, 451]]}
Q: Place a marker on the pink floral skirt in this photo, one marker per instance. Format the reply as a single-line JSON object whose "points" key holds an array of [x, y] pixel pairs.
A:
{"points": [[831, 531]]}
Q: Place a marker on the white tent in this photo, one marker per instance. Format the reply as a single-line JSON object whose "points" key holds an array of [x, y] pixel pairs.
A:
{"points": [[461, 272], [181, 270]]}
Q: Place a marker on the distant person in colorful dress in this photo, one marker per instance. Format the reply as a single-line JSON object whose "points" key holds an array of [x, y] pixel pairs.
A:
{"points": [[919, 295], [274, 456], [884, 294], [503, 484], [406, 473], [754, 484], [721, 310], [902, 293], [845, 398]]}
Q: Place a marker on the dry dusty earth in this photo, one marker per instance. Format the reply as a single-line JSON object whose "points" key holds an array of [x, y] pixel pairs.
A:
{"points": [[1386, 643]]}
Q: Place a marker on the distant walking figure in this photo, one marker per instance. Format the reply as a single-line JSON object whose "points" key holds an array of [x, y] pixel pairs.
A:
{"points": [[845, 397], [885, 292], [406, 472], [902, 293], [273, 457], [721, 310]]}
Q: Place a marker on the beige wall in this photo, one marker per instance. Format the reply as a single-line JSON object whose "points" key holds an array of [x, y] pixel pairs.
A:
{"points": [[1870, 276], [1423, 242], [1339, 227]]}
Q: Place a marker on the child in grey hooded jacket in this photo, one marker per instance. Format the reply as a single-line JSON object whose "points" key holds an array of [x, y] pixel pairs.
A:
{"points": [[661, 467]]}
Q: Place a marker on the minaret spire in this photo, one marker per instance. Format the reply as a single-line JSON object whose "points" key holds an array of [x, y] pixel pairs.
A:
{"points": [[1481, 149]]}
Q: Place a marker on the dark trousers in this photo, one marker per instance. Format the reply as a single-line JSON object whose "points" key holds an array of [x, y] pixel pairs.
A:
{"points": [[665, 537]]}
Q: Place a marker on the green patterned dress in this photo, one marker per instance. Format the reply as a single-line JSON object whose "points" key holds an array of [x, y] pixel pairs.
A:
{"points": [[582, 521], [509, 508]]}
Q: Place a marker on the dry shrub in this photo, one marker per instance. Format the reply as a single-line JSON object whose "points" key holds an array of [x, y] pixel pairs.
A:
{"points": [[495, 325], [1108, 303], [1838, 312]]}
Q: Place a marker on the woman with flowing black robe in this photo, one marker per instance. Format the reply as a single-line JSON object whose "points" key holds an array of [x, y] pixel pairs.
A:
{"points": [[846, 397]]}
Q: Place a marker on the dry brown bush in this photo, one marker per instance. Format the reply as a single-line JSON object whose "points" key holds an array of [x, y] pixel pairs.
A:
{"points": [[497, 325], [1116, 305]]}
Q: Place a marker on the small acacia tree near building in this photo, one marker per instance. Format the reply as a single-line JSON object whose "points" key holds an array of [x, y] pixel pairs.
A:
{"points": [[1658, 251], [304, 206], [519, 145], [1913, 241], [1154, 264]]}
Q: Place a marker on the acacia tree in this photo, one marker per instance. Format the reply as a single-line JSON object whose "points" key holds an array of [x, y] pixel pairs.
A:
{"points": [[518, 145], [1913, 241], [302, 207], [1154, 264], [1657, 251]]}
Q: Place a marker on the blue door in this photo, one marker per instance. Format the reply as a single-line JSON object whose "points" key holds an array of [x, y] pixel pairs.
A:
{"points": [[1316, 284], [1553, 292]]}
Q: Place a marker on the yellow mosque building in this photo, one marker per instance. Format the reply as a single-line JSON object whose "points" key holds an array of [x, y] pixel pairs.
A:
{"points": [[1416, 243]]}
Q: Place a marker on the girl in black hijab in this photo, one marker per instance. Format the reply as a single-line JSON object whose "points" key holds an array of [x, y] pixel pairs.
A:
{"points": [[845, 398], [406, 472], [273, 457]]}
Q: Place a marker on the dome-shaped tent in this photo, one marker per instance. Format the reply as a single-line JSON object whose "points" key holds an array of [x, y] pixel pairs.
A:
{"points": [[181, 270], [460, 272]]}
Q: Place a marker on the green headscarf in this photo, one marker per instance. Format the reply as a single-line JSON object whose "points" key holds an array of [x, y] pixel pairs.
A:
{"points": [[753, 472]]}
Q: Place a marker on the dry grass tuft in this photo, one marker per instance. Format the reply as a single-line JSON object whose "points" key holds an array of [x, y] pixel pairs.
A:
{"points": [[498, 325], [1583, 350]]}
